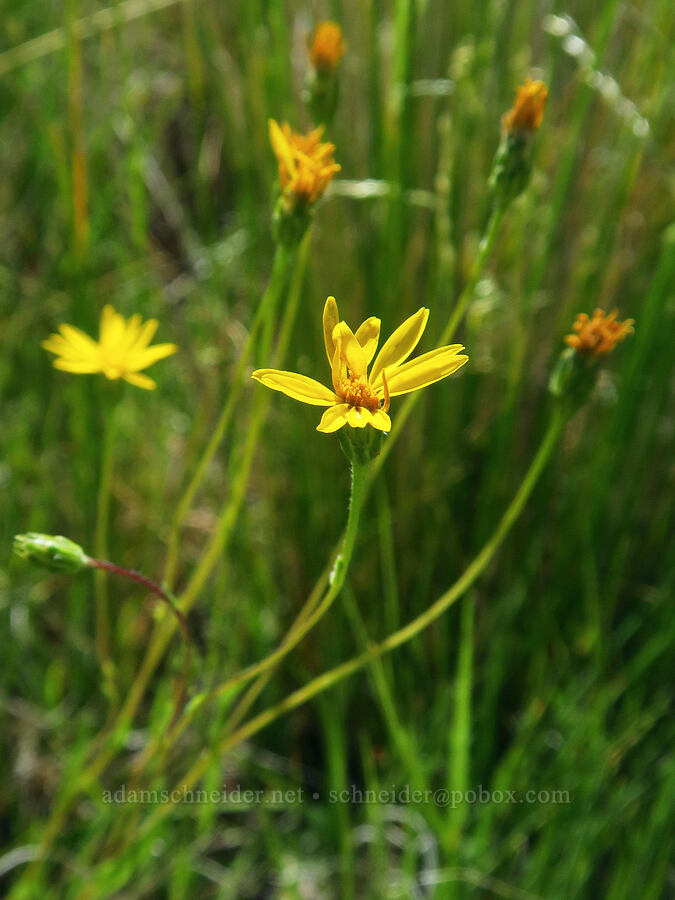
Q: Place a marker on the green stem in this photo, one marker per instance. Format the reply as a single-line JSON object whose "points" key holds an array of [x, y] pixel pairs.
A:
{"points": [[244, 704], [230, 511], [409, 631], [484, 250], [110, 741], [101, 544], [264, 314], [359, 490], [309, 614]]}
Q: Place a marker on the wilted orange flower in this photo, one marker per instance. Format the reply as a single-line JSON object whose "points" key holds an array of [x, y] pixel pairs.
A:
{"points": [[327, 46], [599, 334], [306, 166], [528, 110]]}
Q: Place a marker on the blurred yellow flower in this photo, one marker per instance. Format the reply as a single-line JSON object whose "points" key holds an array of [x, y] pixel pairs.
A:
{"points": [[598, 335], [358, 398], [121, 351], [528, 110], [306, 166], [327, 46]]}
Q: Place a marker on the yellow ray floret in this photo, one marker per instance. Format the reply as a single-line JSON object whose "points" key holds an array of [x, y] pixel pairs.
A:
{"points": [[359, 398], [528, 110], [121, 351], [599, 334], [306, 165], [327, 46]]}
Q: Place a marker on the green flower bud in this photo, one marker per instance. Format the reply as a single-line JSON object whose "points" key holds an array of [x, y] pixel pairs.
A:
{"points": [[572, 379], [290, 224], [511, 168], [321, 95], [55, 552]]}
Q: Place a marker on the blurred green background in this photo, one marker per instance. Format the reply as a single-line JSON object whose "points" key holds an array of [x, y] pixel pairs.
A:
{"points": [[136, 170]]}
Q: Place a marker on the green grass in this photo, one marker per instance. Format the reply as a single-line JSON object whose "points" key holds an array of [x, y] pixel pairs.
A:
{"points": [[137, 171]]}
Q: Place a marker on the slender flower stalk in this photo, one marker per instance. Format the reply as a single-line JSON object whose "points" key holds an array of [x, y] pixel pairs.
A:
{"points": [[263, 670], [485, 249], [227, 518], [60, 554], [297, 263], [359, 490], [122, 352], [355, 403], [359, 398], [247, 700], [108, 743], [283, 261], [412, 629], [101, 550]]}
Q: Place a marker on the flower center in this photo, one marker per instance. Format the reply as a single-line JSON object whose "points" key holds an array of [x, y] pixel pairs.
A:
{"points": [[357, 392]]}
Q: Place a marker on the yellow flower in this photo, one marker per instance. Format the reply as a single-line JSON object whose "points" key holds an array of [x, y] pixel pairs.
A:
{"points": [[327, 46], [600, 334], [359, 398], [528, 110], [306, 166], [121, 351]]}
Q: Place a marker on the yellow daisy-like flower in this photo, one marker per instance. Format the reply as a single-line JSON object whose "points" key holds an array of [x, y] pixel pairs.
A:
{"points": [[327, 47], [360, 398], [528, 110], [306, 165], [598, 335], [121, 351]]}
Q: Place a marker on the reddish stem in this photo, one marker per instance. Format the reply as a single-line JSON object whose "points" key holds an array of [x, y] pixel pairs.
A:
{"points": [[155, 589]]}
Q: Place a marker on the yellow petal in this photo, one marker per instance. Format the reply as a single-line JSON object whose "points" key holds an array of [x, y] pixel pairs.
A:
{"points": [[112, 329], [57, 344], [350, 349], [338, 367], [280, 146], [79, 366], [141, 359], [333, 418], [381, 421], [132, 331], [400, 345], [145, 334], [141, 381], [368, 334], [79, 341], [330, 320], [359, 417], [425, 370], [299, 387]]}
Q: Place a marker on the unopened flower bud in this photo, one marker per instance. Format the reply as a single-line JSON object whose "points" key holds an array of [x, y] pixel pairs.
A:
{"points": [[322, 85], [512, 165], [55, 552]]}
